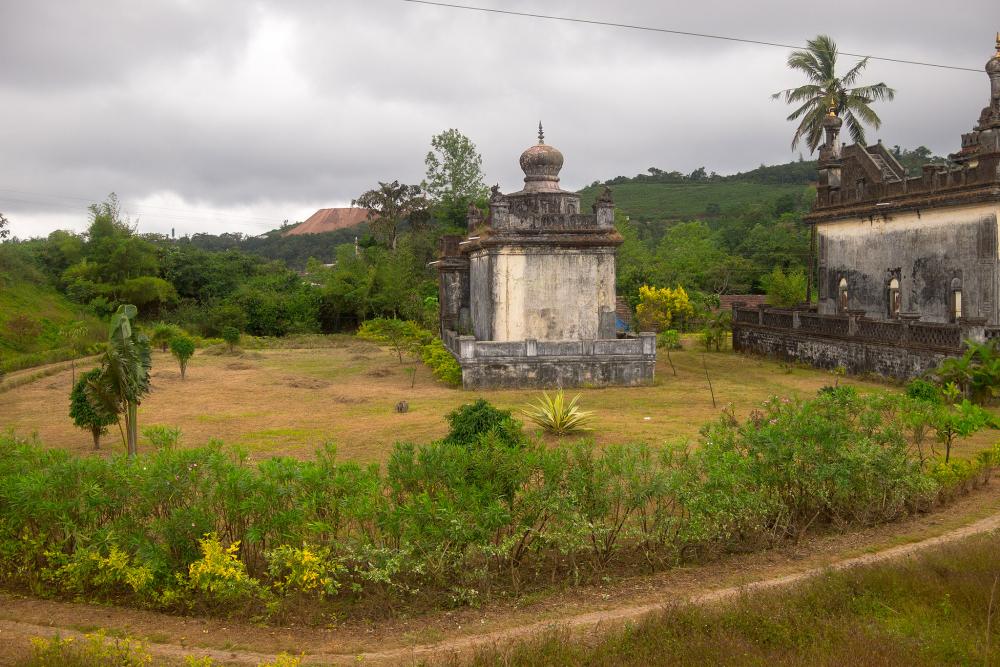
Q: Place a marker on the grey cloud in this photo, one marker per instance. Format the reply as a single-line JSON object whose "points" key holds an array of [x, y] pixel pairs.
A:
{"points": [[227, 104]]}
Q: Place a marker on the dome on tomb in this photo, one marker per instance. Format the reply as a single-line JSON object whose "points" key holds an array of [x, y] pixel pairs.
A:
{"points": [[541, 165]]}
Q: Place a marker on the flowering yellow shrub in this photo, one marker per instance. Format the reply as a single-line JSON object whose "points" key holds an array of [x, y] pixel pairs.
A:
{"points": [[659, 307], [220, 576], [308, 569]]}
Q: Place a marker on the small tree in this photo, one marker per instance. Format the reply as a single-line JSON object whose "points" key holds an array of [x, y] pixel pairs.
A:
{"points": [[784, 290], [182, 348], [4, 232], [163, 333], [75, 334], [403, 336], [232, 337], [83, 412], [661, 307]]}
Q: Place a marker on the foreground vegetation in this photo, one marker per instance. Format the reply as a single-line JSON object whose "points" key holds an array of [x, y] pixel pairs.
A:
{"points": [[484, 511], [936, 608]]}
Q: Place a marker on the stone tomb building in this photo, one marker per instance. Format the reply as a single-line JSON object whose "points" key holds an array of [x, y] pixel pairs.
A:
{"points": [[528, 297], [907, 265]]}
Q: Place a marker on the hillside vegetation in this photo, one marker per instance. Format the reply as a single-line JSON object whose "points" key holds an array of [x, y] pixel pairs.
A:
{"points": [[689, 200], [38, 324]]}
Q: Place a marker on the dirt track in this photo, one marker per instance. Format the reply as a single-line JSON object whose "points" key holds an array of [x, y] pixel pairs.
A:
{"points": [[13, 632]]}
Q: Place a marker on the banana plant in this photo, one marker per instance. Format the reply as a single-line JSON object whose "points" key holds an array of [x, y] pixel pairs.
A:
{"points": [[124, 377]]}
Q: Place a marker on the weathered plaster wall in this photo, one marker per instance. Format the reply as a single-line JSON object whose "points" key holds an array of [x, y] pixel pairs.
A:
{"points": [[927, 250], [541, 293]]}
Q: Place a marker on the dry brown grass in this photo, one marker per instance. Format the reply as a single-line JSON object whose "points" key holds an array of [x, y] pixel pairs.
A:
{"points": [[290, 401]]}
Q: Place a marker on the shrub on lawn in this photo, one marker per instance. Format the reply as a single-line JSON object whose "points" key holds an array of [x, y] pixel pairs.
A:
{"points": [[450, 521]]}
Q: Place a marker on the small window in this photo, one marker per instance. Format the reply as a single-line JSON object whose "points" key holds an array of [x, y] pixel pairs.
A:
{"points": [[895, 300], [956, 300], [842, 295]]}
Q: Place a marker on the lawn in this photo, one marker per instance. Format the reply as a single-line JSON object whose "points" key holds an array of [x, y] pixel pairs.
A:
{"points": [[291, 401]]}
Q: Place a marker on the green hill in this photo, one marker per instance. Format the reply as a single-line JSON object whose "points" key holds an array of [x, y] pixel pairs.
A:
{"points": [[647, 201], [35, 318]]}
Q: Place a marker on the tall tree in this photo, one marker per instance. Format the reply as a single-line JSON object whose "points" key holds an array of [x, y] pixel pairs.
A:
{"points": [[454, 170], [390, 205], [826, 91], [124, 377], [4, 232]]}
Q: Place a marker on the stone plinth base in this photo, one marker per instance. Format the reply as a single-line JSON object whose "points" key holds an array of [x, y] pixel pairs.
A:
{"points": [[551, 364]]}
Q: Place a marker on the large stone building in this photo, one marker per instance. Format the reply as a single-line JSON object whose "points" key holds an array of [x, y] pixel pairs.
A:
{"points": [[907, 266], [528, 297]]}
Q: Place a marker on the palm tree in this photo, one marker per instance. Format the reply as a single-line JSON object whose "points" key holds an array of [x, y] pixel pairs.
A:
{"points": [[124, 377], [826, 91]]}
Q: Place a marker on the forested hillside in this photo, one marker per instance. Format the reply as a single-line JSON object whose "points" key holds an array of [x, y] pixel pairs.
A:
{"points": [[710, 234]]}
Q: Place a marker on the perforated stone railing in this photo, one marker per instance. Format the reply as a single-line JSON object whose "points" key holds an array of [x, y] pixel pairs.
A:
{"points": [[779, 319], [936, 335], [880, 330], [904, 332]]}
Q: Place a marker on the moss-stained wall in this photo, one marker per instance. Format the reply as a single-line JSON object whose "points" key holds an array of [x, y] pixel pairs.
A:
{"points": [[928, 251]]}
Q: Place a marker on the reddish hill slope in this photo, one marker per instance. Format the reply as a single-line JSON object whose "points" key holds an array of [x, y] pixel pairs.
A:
{"points": [[330, 220]]}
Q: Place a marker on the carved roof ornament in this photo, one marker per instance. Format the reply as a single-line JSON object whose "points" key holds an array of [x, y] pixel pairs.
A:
{"points": [[606, 197], [541, 165], [495, 194]]}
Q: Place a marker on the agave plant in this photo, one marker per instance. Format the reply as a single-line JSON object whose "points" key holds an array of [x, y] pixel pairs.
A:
{"points": [[557, 416]]}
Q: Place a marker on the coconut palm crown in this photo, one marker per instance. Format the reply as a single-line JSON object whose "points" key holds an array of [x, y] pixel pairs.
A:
{"points": [[826, 91]]}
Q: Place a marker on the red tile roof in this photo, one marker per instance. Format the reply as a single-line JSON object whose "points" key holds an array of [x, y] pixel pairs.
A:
{"points": [[726, 301], [330, 220]]}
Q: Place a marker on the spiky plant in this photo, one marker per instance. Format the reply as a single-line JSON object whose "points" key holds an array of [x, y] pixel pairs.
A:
{"points": [[558, 417], [826, 90]]}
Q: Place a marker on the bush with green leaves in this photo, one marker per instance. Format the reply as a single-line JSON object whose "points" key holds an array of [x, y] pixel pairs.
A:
{"points": [[669, 339], [182, 347], [481, 512], [976, 373], [232, 337], [442, 363], [163, 333], [84, 413], [472, 422], [784, 290]]}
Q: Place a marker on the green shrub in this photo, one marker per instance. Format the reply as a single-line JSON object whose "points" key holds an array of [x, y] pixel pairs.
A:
{"points": [[84, 413], [470, 423], [232, 337], [219, 581], [442, 362], [669, 339], [182, 347], [162, 437], [923, 390], [163, 333]]}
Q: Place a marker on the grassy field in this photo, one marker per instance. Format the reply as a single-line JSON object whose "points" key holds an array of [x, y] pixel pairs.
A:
{"points": [[685, 201], [937, 608], [291, 401]]}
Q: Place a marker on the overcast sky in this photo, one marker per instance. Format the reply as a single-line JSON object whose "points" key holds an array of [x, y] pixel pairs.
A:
{"points": [[214, 116]]}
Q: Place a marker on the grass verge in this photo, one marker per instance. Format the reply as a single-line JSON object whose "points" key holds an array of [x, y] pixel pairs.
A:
{"points": [[940, 607]]}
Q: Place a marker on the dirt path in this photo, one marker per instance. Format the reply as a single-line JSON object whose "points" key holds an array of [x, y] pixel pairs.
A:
{"points": [[25, 618]]}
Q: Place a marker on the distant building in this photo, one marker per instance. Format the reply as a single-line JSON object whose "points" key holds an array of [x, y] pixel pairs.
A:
{"points": [[528, 297], [329, 220], [907, 265]]}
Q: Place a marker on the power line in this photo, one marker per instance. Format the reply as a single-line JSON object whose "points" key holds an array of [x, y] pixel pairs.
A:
{"points": [[629, 26]]}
